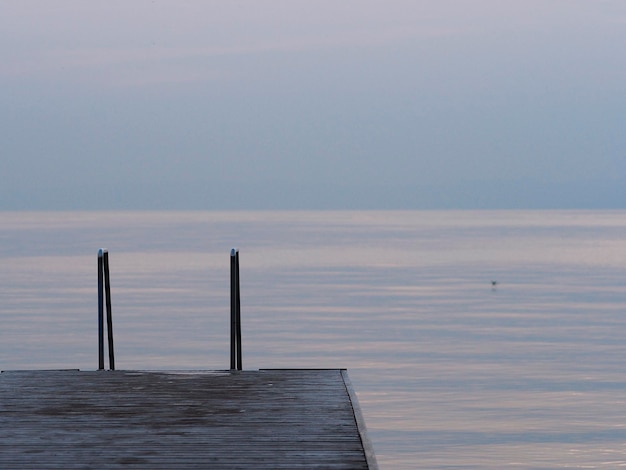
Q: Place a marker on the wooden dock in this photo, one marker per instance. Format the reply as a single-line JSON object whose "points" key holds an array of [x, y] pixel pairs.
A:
{"points": [[184, 419]]}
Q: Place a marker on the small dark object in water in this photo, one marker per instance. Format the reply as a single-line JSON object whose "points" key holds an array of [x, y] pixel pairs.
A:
{"points": [[494, 283]]}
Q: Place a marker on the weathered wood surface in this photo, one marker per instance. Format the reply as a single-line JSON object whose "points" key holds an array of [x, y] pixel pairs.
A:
{"points": [[250, 419]]}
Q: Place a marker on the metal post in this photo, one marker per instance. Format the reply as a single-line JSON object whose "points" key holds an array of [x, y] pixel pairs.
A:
{"points": [[238, 311], [100, 314], [233, 309], [107, 291]]}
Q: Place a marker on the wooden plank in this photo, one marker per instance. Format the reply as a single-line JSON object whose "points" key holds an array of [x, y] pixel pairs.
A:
{"points": [[221, 419]]}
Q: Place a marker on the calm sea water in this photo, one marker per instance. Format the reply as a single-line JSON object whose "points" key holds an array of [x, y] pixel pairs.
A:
{"points": [[451, 371]]}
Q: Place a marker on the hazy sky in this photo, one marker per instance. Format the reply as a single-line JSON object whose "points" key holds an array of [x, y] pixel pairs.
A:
{"points": [[312, 104]]}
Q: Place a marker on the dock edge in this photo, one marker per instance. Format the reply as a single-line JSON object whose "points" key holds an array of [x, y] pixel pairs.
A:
{"points": [[368, 448]]}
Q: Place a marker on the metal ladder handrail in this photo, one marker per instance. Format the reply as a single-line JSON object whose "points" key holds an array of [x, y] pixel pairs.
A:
{"points": [[235, 312], [104, 284]]}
